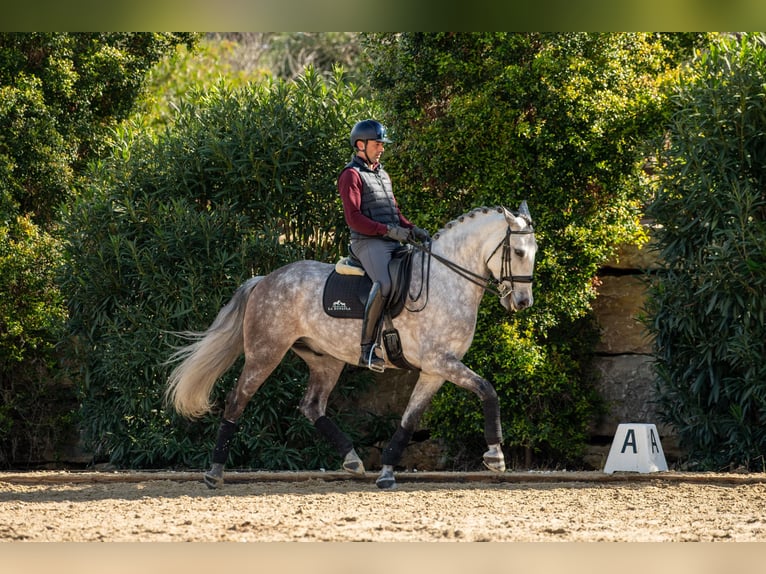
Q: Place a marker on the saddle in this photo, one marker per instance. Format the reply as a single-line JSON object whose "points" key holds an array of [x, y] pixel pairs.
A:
{"points": [[348, 287]]}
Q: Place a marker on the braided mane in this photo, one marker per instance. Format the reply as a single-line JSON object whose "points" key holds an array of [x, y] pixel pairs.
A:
{"points": [[470, 214]]}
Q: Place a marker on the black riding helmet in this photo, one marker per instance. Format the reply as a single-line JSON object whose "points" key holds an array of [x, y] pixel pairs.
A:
{"points": [[368, 130]]}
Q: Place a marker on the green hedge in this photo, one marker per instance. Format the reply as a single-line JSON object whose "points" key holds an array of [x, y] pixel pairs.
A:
{"points": [[60, 95], [36, 406], [708, 311]]}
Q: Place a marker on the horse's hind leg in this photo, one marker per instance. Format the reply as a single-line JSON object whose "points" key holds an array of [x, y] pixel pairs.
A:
{"points": [[421, 396], [324, 371], [257, 368]]}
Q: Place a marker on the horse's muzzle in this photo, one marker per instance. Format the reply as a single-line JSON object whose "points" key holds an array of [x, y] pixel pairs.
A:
{"points": [[516, 301]]}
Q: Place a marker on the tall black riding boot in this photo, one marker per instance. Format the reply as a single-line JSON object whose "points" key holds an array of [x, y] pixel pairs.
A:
{"points": [[373, 312]]}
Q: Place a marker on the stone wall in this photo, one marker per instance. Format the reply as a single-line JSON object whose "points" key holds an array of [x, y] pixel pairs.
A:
{"points": [[624, 354]]}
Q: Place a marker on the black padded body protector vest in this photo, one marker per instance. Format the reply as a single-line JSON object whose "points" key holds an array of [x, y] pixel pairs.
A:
{"points": [[378, 201]]}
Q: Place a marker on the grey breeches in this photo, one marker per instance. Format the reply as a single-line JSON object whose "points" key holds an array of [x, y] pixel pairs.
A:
{"points": [[375, 255]]}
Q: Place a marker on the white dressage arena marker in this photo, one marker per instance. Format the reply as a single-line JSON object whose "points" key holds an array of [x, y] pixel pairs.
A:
{"points": [[636, 448]]}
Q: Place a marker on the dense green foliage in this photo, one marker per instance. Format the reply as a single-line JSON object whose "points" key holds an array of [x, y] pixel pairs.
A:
{"points": [[60, 95], [35, 405], [708, 310], [241, 182], [561, 120]]}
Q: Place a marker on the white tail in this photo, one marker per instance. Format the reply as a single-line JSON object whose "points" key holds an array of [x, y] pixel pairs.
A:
{"points": [[208, 357]]}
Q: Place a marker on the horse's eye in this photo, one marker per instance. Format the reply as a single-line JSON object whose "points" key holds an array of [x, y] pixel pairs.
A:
{"points": [[519, 252]]}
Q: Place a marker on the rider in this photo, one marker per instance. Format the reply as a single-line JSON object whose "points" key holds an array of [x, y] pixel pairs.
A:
{"points": [[377, 225]]}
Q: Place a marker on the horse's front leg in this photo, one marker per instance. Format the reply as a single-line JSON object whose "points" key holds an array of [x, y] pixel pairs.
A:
{"points": [[494, 459], [464, 377], [421, 396], [451, 369]]}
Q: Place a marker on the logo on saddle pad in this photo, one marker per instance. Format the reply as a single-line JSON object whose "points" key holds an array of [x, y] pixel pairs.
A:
{"points": [[339, 306]]}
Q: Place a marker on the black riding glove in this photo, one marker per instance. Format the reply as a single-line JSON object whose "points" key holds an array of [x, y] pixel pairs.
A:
{"points": [[399, 233], [419, 234]]}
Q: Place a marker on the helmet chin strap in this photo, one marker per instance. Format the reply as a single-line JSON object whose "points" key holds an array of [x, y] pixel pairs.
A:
{"points": [[366, 157]]}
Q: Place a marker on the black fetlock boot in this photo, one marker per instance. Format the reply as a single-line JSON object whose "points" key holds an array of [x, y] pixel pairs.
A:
{"points": [[373, 311]]}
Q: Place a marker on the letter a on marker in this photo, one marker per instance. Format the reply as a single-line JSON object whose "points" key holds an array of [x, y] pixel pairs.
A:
{"points": [[630, 440], [655, 446]]}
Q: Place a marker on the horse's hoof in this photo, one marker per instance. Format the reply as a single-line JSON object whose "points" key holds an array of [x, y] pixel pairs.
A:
{"points": [[353, 464], [494, 459], [212, 482], [495, 466], [386, 483], [386, 480], [214, 477]]}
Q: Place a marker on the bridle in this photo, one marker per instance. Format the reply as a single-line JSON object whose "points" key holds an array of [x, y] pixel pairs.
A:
{"points": [[506, 266], [497, 286]]}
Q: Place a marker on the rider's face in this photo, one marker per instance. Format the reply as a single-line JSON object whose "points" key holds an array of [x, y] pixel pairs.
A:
{"points": [[373, 149]]}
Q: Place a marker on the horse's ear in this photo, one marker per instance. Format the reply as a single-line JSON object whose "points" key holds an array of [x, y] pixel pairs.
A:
{"points": [[524, 210]]}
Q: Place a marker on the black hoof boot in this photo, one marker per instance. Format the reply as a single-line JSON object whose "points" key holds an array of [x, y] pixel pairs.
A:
{"points": [[214, 477]]}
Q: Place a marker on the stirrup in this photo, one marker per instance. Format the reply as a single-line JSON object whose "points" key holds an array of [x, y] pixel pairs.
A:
{"points": [[377, 366]]}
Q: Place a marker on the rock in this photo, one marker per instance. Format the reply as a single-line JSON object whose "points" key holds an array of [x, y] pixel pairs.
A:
{"points": [[618, 308], [632, 257], [626, 386]]}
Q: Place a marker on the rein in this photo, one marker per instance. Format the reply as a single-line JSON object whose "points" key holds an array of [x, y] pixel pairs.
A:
{"points": [[495, 286]]}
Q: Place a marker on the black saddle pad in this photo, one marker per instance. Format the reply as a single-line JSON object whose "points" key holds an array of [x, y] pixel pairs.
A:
{"points": [[346, 295]]}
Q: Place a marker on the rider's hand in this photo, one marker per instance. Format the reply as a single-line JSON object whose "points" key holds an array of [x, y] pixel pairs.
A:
{"points": [[398, 233], [420, 235]]}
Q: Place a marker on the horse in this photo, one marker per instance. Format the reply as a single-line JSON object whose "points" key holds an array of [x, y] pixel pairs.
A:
{"points": [[268, 315]]}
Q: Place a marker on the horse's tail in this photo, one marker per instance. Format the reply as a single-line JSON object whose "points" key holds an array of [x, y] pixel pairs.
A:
{"points": [[208, 357]]}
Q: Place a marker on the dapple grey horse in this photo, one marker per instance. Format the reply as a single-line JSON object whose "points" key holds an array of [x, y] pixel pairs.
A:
{"points": [[485, 249]]}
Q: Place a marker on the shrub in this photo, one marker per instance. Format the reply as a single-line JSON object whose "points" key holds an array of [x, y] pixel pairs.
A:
{"points": [[707, 309], [60, 94], [36, 407]]}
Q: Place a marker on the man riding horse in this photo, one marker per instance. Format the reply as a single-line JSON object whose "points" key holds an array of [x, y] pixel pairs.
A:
{"points": [[377, 226], [486, 249]]}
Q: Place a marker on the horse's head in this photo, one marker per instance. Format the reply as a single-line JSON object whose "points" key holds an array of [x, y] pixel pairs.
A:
{"points": [[515, 266]]}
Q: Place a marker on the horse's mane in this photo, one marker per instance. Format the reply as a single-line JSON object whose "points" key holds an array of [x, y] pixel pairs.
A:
{"points": [[471, 214]]}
